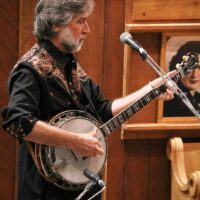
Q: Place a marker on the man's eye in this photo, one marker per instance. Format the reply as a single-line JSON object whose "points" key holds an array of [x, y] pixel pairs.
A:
{"points": [[80, 21]]}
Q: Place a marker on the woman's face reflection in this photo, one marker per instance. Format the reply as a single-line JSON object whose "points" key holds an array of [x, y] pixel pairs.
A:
{"points": [[192, 79]]}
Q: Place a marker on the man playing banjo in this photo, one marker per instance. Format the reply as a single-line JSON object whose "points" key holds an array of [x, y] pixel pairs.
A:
{"points": [[48, 80]]}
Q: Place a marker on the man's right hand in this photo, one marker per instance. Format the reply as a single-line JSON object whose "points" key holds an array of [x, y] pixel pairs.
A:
{"points": [[86, 144]]}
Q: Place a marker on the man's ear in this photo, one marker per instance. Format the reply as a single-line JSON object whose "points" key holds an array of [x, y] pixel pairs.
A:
{"points": [[56, 28]]}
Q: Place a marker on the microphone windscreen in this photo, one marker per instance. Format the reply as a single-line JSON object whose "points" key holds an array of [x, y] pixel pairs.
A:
{"points": [[124, 36]]}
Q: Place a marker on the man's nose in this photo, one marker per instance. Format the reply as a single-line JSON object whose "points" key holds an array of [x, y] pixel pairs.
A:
{"points": [[86, 28]]}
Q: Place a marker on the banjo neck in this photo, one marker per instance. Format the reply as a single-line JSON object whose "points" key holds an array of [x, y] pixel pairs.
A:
{"points": [[136, 106]]}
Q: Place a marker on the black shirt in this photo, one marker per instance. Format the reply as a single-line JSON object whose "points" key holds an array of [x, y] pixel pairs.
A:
{"points": [[176, 108], [37, 93]]}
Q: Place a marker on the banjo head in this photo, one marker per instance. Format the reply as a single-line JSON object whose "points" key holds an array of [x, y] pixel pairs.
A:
{"points": [[64, 167]]}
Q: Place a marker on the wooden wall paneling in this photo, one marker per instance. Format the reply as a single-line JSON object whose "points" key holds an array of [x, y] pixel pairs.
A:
{"points": [[9, 17], [160, 10], [3, 87], [91, 54], [112, 88], [146, 170], [137, 169], [158, 15], [159, 171], [9, 20], [26, 38], [143, 11], [7, 166]]}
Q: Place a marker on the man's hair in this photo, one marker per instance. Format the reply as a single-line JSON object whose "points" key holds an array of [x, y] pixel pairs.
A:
{"points": [[188, 47], [58, 12]]}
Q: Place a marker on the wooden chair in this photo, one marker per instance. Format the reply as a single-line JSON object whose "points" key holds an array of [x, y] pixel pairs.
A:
{"points": [[185, 169]]}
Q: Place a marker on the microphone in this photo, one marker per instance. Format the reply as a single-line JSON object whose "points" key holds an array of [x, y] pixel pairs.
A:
{"points": [[95, 178], [127, 39]]}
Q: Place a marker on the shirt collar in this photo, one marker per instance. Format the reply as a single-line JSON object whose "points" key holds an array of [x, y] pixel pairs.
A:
{"points": [[59, 57]]}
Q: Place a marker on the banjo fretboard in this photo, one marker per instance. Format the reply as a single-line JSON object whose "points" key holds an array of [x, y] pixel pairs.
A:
{"points": [[123, 116]]}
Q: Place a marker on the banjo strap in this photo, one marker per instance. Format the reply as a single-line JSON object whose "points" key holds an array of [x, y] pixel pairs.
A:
{"points": [[79, 105], [92, 106], [30, 148]]}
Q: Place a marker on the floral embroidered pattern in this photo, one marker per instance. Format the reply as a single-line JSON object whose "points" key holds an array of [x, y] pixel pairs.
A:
{"points": [[44, 64]]}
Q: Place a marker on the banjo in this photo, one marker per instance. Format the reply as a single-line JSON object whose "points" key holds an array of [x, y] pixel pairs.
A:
{"points": [[64, 167]]}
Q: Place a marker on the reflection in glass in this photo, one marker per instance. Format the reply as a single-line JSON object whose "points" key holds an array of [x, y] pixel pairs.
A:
{"points": [[190, 84]]}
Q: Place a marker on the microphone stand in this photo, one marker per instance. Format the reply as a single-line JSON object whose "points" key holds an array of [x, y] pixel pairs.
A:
{"points": [[86, 189], [95, 179], [169, 82]]}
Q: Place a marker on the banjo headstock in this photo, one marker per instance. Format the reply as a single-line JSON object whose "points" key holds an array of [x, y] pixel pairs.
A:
{"points": [[189, 63]]}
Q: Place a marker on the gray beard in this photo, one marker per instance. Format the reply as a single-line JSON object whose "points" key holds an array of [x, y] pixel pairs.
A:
{"points": [[70, 45], [69, 48]]}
